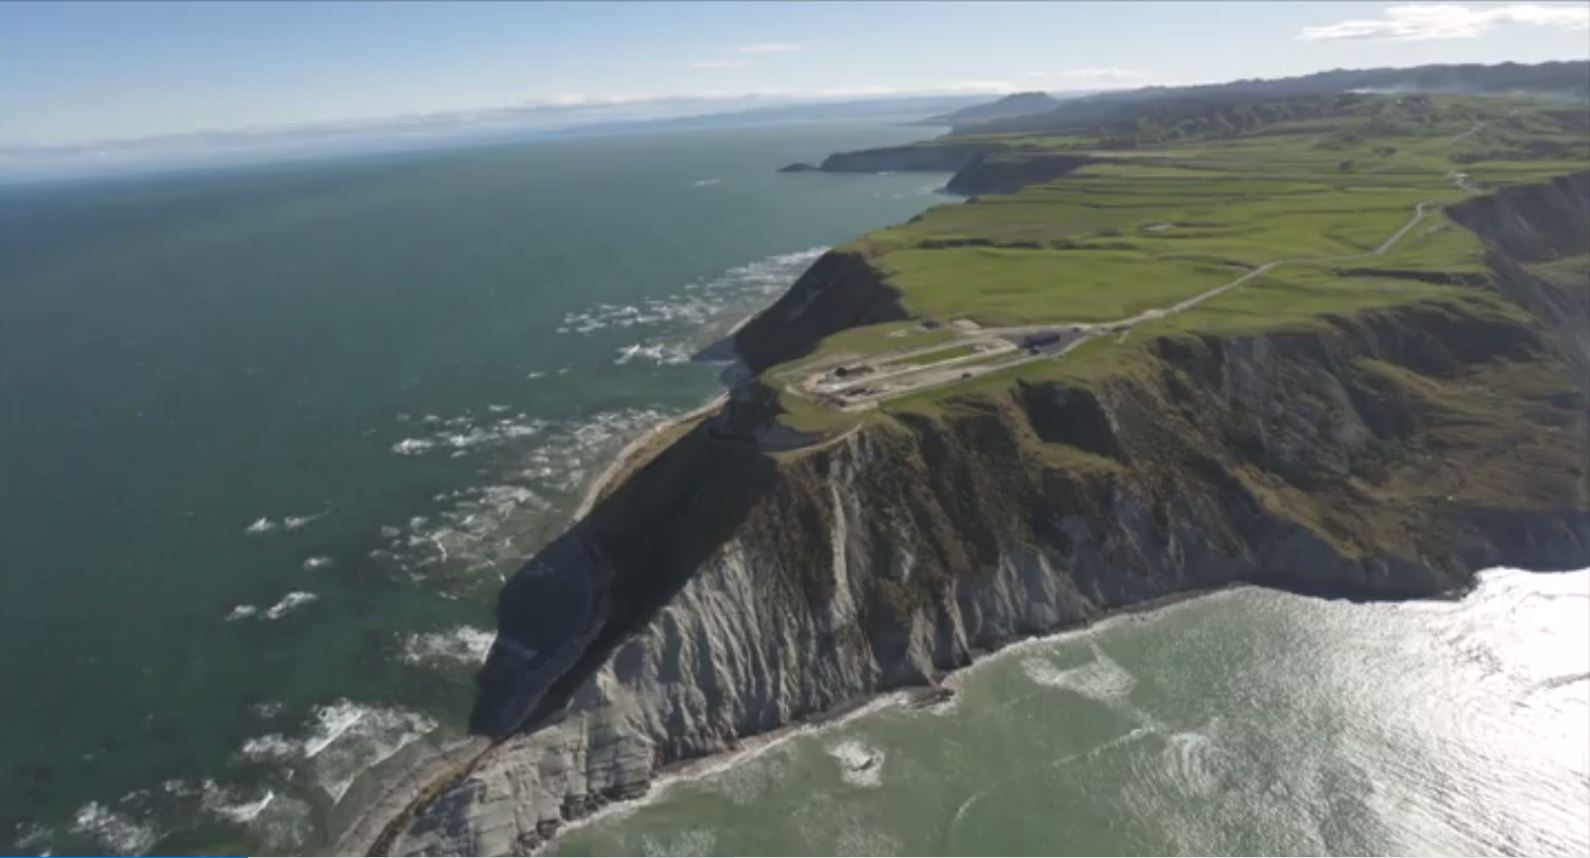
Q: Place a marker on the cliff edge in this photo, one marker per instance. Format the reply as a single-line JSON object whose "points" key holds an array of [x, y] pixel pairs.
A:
{"points": [[726, 590]]}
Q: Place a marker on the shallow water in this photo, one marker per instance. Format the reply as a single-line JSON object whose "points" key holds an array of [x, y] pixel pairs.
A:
{"points": [[1246, 722], [272, 437]]}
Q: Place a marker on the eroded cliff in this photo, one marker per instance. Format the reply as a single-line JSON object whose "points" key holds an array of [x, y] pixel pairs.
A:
{"points": [[981, 168], [1385, 453]]}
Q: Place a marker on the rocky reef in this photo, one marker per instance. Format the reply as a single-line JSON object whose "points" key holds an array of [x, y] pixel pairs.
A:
{"points": [[1382, 454]]}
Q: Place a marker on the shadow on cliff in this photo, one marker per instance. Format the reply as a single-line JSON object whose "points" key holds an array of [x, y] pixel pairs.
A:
{"points": [[1273, 493], [564, 612]]}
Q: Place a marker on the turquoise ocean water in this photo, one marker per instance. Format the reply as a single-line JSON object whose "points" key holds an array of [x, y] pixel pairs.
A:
{"points": [[271, 438]]}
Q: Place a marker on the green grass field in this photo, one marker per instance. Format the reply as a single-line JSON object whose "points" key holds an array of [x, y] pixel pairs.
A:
{"points": [[1147, 226]]}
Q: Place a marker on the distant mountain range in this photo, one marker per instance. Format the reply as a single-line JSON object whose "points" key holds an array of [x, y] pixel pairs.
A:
{"points": [[905, 109], [22, 162], [1565, 80], [1009, 107]]}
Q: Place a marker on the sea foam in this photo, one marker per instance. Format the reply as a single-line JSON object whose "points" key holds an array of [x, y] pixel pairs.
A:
{"points": [[348, 738], [119, 832], [860, 764], [289, 603], [699, 303], [226, 804], [1100, 679], [465, 644]]}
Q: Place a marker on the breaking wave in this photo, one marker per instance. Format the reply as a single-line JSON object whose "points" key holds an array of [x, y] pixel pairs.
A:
{"points": [[537, 467], [286, 605], [699, 303], [662, 354], [259, 526], [860, 764], [290, 602], [465, 644], [546, 463], [294, 522], [340, 741], [117, 831], [693, 841], [467, 432], [1101, 679], [354, 738], [476, 528], [270, 747], [265, 524], [227, 804]]}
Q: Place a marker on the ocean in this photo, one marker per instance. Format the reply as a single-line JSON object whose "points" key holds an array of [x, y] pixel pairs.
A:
{"points": [[1245, 722], [272, 438]]}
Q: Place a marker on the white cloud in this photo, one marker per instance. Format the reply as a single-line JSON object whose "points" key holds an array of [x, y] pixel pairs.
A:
{"points": [[569, 99], [578, 99], [1038, 75], [1110, 73], [863, 91], [979, 86], [718, 64], [960, 87], [770, 48], [1450, 21]]}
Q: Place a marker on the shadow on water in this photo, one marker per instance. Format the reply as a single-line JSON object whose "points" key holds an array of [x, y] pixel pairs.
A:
{"points": [[564, 612]]}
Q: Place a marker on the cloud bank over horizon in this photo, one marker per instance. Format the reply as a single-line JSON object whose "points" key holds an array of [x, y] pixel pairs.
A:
{"points": [[1429, 21], [77, 73], [556, 115]]}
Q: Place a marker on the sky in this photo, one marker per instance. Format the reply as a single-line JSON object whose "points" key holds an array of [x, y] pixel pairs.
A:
{"points": [[81, 72]]}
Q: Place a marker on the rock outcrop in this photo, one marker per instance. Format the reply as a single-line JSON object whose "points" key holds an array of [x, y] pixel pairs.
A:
{"points": [[945, 158], [841, 290], [1378, 455], [1532, 223], [1008, 173]]}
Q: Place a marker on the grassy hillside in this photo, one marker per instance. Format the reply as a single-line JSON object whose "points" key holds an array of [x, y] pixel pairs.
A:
{"points": [[1332, 205], [1559, 80]]}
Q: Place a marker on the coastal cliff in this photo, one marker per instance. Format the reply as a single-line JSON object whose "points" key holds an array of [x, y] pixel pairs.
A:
{"points": [[978, 168], [841, 290], [937, 159], [1380, 454]]}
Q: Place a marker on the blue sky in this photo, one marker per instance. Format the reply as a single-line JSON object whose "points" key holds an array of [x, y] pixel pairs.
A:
{"points": [[85, 71]]}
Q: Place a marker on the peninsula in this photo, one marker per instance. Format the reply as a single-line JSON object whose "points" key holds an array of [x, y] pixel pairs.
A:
{"points": [[1327, 341]]}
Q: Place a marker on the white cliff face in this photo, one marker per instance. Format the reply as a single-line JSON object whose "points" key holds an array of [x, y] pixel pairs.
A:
{"points": [[732, 655], [725, 659], [909, 547]]}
